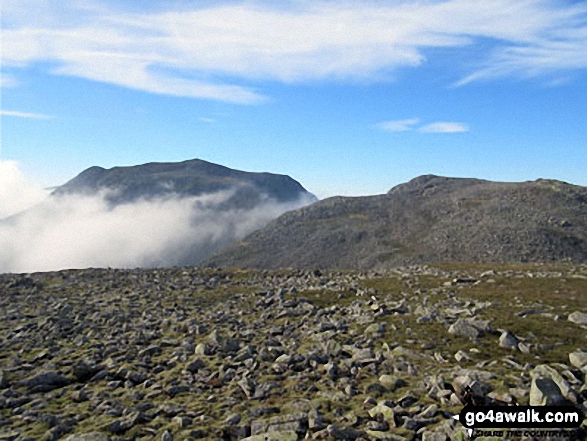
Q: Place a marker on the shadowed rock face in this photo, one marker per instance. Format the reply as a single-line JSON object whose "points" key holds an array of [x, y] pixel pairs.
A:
{"points": [[188, 178], [428, 219]]}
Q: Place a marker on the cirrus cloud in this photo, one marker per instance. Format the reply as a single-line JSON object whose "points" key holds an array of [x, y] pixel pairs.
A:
{"points": [[444, 127], [398, 125], [223, 50], [404, 125], [28, 115]]}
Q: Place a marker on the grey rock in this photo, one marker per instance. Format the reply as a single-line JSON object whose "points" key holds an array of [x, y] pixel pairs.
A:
{"points": [[344, 433], [416, 424], [578, 317], [236, 432], [464, 329], [508, 340], [462, 356], [195, 365], [167, 436], [150, 351], [316, 421], [434, 436], [472, 385], [93, 436], [203, 349], [45, 382], [57, 432], [83, 371], [286, 435], [377, 425], [391, 382], [579, 359], [385, 411], [375, 329], [233, 419], [182, 421], [117, 427], [284, 423], [546, 372], [429, 412], [197, 434], [4, 383], [248, 386], [363, 355], [545, 392]]}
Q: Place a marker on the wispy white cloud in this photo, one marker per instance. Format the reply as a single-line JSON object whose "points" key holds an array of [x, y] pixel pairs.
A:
{"points": [[399, 125], [444, 127], [19, 114], [207, 120], [7, 81], [191, 52], [404, 125]]}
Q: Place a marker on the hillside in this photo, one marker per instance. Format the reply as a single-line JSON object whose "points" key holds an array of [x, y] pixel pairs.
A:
{"points": [[188, 178], [184, 353], [429, 219]]}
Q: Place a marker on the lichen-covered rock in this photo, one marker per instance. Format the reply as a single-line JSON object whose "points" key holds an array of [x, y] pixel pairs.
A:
{"points": [[578, 317], [545, 392], [579, 360], [94, 436]]}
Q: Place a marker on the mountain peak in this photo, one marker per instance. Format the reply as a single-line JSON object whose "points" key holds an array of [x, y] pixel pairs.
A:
{"points": [[193, 177], [426, 182]]}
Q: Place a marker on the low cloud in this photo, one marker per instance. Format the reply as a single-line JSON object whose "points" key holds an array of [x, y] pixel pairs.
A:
{"points": [[444, 127], [80, 231], [17, 193]]}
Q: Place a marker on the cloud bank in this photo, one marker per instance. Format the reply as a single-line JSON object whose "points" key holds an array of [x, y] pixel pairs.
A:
{"points": [[75, 231], [221, 50], [17, 193]]}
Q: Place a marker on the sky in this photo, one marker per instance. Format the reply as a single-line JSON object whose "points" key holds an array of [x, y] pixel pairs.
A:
{"points": [[347, 97]]}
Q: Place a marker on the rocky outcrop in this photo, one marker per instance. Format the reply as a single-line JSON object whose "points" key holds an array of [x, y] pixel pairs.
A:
{"points": [[429, 219]]}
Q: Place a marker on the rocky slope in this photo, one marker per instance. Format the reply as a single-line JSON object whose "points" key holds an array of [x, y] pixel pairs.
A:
{"points": [[429, 219], [181, 354], [188, 178]]}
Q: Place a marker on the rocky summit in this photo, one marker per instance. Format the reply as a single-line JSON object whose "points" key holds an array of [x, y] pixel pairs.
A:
{"points": [[185, 353], [429, 219]]}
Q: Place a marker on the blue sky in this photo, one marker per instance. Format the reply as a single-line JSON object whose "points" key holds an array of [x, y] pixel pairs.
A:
{"points": [[348, 97]]}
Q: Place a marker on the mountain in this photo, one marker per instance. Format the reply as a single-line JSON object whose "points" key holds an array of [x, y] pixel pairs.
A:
{"points": [[429, 219], [188, 178], [151, 215]]}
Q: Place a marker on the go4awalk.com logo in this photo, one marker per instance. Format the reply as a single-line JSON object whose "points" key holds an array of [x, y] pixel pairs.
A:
{"points": [[520, 421]]}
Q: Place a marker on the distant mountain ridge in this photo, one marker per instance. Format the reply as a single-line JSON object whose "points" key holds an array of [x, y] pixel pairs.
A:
{"points": [[429, 219], [188, 178]]}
